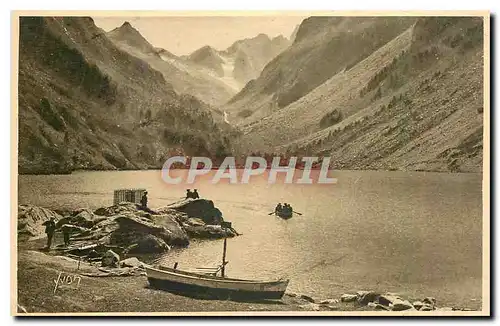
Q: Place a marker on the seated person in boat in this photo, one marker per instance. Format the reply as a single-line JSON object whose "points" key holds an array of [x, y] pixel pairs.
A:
{"points": [[189, 194], [287, 209]]}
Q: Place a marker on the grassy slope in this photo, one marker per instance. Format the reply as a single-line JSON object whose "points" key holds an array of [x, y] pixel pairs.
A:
{"points": [[85, 104], [301, 118]]}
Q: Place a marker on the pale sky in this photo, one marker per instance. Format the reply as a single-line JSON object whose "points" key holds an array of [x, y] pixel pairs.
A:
{"points": [[183, 35]]}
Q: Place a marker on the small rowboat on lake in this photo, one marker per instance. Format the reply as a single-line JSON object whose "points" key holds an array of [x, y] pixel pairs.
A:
{"points": [[284, 212], [206, 283]]}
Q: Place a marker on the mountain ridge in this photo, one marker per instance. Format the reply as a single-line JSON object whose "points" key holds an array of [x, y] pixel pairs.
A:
{"points": [[386, 111], [244, 59], [371, 93], [80, 108], [184, 78], [323, 47]]}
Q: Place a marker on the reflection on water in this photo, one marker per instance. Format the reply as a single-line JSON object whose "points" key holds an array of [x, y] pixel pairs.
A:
{"points": [[414, 233]]}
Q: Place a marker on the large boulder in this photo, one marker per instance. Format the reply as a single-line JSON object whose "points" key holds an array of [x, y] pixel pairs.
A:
{"points": [[426, 307], [307, 298], [30, 219], [198, 208], [346, 297], [74, 229], [310, 306], [364, 297], [147, 243], [82, 217], [388, 299], [132, 229], [400, 305], [430, 301], [195, 222], [177, 236], [132, 262], [121, 208], [417, 304], [110, 259], [379, 306], [199, 218], [208, 231], [180, 217], [329, 301]]}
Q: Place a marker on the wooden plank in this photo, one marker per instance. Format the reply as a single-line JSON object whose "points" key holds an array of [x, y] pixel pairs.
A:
{"points": [[207, 270]]}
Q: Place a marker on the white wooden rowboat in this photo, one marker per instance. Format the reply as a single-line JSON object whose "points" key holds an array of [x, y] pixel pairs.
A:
{"points": [[205, 283], [182, 282]]}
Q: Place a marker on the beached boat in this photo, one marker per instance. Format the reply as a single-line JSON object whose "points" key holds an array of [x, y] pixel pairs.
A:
{"points": [[182, 282], [206, 283]]}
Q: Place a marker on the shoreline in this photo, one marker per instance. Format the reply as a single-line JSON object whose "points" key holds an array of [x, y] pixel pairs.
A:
{"points": [[338, 170], [37, 263], [37, 274]]}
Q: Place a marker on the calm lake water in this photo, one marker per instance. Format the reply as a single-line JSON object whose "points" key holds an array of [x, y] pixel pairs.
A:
{"points": [[415, 233]]}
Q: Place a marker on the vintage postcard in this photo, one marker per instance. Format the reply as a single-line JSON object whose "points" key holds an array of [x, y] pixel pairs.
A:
{"points": [[251, 163]]}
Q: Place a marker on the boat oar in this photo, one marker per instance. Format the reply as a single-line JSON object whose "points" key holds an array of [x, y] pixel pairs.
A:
{"points": [[297, 213], [271, 213]]}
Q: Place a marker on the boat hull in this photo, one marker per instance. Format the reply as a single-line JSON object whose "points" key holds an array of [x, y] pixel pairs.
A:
{"points": [[284, 215], [185, 283]]}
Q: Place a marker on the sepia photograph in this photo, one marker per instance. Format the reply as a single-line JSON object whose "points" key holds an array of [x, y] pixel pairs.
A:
{"points": [[250, 163]]}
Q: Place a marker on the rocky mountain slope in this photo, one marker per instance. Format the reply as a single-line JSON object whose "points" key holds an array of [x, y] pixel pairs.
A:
{"points": [[251, 55], [294, 34], [415, 103], [242, 61], [208, 58], [323, 46], [208, 74], [86, 104]]}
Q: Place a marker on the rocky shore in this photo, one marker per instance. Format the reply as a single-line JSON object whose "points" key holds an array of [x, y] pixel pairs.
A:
{"points": [[125, 289], [103, 254], [126, 228]]}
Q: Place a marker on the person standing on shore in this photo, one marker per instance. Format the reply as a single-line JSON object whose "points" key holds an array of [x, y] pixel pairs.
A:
{"points": [[144, 200], [66, 232], [50, 229]]}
